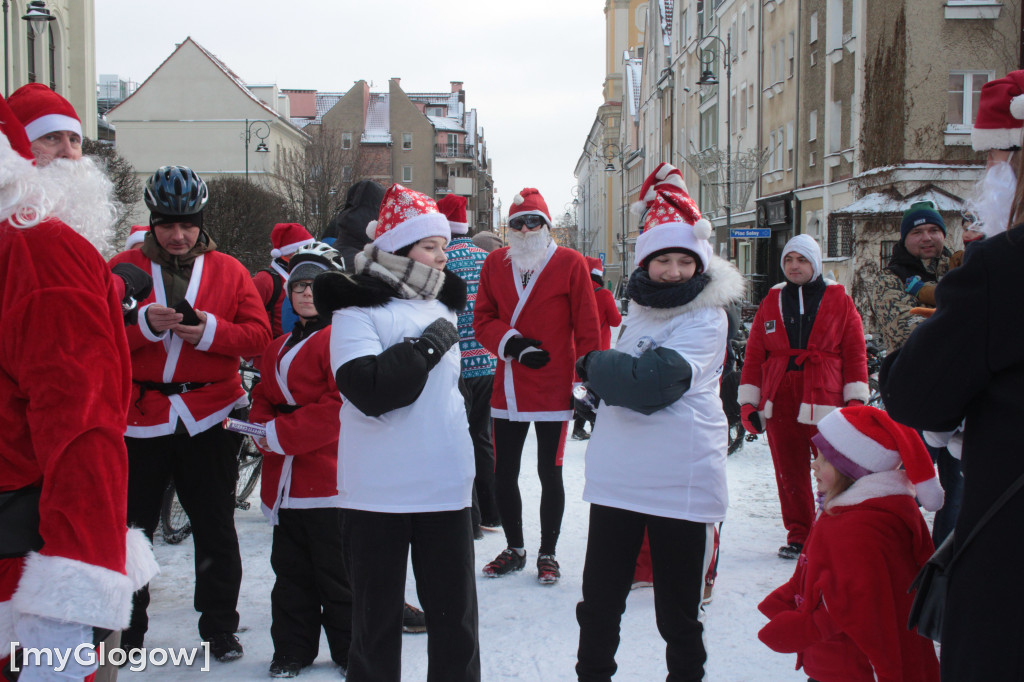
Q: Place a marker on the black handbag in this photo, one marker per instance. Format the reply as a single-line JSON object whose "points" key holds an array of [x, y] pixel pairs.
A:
{"points": [[932, 582]]}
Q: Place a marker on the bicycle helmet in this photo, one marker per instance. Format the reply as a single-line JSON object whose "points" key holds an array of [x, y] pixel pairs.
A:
{"points": [[313, 259], [175, 191]]}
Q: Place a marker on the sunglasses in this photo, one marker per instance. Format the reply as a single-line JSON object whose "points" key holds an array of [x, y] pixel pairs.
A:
{"points": [[526, 222], [300, 286]]}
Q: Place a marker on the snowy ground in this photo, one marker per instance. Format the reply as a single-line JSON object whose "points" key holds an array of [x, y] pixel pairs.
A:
{"points": [[527, 632]]}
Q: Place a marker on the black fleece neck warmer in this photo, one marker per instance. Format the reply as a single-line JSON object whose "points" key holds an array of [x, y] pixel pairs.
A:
{"points": [[647, 292]]}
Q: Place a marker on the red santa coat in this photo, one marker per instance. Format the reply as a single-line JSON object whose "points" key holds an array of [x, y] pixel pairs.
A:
{"points": [[264, 282], [64, 386], [556, 307], [608, 315], [300, 470], [236, 327], [844, 611], [834, 364]]}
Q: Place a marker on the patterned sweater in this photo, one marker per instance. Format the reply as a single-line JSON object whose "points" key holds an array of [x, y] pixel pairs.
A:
{"points": [[465, 259]]}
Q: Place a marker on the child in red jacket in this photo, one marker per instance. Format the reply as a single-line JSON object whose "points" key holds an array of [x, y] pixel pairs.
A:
{"points": [[844, 611], [805, 357]]}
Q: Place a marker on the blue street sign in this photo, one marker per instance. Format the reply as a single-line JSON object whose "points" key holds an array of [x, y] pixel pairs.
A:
{"points": [[601, 255], [750, 233]]}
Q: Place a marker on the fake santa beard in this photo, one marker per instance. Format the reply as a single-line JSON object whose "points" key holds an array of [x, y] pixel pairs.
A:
{"points": [[527, 248], [993, 199]]}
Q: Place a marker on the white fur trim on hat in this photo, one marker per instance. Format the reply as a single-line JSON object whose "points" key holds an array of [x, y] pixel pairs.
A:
{"points": [[52, 123], [672, 236], [458, 228], [134, 238], [518, 199], [1017, 107], [984, 139], [846, 438], [289, 249], [411, 231]]}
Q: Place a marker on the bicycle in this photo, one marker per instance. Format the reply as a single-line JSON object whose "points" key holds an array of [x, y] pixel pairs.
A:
{"points": [[875, 355], [174, 523]]}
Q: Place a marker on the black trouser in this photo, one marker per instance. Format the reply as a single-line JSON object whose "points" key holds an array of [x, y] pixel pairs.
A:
{"points": [[485, 508], [377, 549], [679, 554], [312, 587], [509, 438], [951, 479], [204, 469]]}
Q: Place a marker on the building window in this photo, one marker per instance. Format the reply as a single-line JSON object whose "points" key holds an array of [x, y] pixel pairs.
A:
{"points": [[407, 141], [743, 106], [885, 251], [435, 111], [779, 141], [835, 138], [791, 53], [812, 126], [812, 158], [750, 95], [53, 58], [31, 56], [407, 174], [834, 25], [771, 151], [789, 146], [346, 174], [346, 140], [813, 25], [964, 94], [743, 30], [771, 66], [840, 236], [709, 128]]}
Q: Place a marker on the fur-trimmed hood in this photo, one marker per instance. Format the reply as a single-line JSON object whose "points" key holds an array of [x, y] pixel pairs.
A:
{"points": [[726, 286], [336, 290]]}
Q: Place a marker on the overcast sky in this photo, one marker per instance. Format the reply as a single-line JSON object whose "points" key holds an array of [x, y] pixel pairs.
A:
{"points": [[533, 69]]}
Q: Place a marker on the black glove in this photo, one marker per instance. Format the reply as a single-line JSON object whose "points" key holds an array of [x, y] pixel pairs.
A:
{"points": [[436, 339], [581, 365], [137, 282], [527, 351]]}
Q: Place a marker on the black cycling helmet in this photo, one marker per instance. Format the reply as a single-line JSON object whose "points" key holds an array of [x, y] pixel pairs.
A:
{"points": [[175, 191]]}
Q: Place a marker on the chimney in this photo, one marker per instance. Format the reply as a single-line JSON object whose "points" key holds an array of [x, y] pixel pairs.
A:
{"points": [[456, 86], [398, 81]]}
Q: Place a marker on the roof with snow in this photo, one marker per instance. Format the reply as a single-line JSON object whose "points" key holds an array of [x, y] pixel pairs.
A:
{"points": [[667, 9], [446, 124], [878, 202], [378, 120], [634, 71]]}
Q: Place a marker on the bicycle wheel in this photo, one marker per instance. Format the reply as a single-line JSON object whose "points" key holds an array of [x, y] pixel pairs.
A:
{"points": [[874, 395], [250, 463], [736, 433], [174, 523]]}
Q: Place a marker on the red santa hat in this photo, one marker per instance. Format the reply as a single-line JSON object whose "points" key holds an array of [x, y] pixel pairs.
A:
{"points": [[136, 236], [1000, 114], [287, 238], [530, 202], [14, 132], [43, 111], [453, 207], [596, 266], [673, 220], [863, 440], [406, 216]]}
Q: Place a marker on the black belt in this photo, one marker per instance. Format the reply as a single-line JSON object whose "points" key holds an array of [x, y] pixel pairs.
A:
{"points": [[171, 389], [19, 522], [285, 408]]}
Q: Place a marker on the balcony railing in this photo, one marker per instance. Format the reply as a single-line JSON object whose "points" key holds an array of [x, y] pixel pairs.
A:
{"points": [[454, 151]]}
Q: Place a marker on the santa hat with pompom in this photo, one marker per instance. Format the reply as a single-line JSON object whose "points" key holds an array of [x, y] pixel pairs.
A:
{"points": [[596, 266], [1000, 114], [406, 216], [136, 236], [673, 220], [864, 440], [453, 207], [43, 111], [288, 238], [530, 202]]}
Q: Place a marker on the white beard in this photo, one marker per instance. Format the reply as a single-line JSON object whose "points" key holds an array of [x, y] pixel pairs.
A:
{"points": [[993, 199], [528, 248]]}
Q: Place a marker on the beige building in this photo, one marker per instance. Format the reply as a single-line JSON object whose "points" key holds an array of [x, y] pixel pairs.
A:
{"points": [[62, 55], [195, 111]]}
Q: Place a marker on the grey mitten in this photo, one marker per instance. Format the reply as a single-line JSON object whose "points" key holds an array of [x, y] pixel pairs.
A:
{"points": [[437, 338]]}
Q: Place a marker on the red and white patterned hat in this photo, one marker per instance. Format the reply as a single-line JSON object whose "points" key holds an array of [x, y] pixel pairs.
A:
{"points": [[406, 216], [673, 220], [1000, 114], [43, 111], [288, 238], [453, 207], [530, 202], [863, 440], [136, 236]]}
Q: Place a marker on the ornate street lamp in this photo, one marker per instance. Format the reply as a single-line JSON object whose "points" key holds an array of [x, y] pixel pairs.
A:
{"points": [[37, 16], [708, 81], [260, 130]]}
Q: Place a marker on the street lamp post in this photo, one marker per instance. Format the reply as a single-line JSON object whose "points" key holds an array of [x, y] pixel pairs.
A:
{"points": [[708, 80], [37, 16], [260, 130], [609, 152]]}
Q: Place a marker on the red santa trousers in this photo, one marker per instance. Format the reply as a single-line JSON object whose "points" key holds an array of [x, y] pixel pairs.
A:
{"points": [[792, 453]]}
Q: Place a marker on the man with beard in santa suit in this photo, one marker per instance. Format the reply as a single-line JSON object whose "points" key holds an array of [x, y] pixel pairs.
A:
{"points": [[69, 564], [535, 311]]}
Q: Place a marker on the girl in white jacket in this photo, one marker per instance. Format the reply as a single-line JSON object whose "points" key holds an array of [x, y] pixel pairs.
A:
{"points": [[657, 455]]}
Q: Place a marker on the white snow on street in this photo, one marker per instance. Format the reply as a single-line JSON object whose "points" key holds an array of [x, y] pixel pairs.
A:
{"points": [[527, 631]]}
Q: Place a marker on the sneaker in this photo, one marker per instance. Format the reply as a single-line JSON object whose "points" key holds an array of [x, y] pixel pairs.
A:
{"points": [[285, 666], [708, 596], [547, 569], [637, 584], [790, 551], [413, 620], [491, 526], [225, 646], [507, 562], [580, 434]]}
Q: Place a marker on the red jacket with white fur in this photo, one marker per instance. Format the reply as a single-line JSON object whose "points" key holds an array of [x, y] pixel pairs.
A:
{"points": [[236, 327], [844, 611], [300, 471], [64, 387], [557, 307], [834, 364]]}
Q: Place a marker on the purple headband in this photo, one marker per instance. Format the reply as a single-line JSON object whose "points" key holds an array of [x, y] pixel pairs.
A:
{"points": [[841, 462]]}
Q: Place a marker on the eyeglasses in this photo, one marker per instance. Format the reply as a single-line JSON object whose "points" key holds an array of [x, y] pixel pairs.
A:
{"points": [[300, 286], [528, 222]]}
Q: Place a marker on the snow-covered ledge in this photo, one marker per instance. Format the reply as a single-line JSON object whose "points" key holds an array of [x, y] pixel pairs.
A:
{"points": [[957, 136], [967, 9]]}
